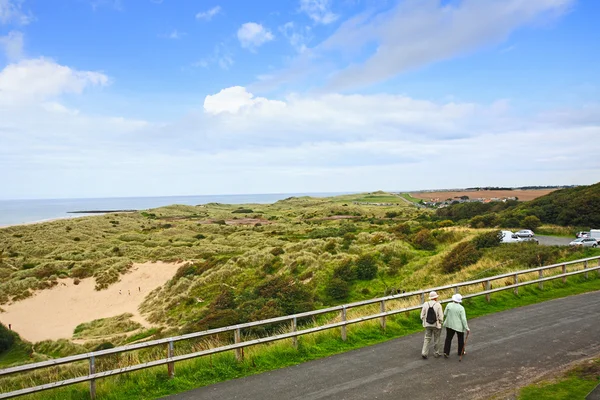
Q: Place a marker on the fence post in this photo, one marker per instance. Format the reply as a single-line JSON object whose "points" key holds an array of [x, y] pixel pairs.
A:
{"points": [[171, 365], [585, 265], [455, 289], [541, 284], [92, 381], [239, 352], [516, 278], [564, 271], [487, 287], [295, 338], [423, 298], [382, 320], [343, 329]]}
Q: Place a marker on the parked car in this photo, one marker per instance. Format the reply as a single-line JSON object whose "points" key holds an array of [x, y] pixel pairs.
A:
{"points": [[525, 233], [582, 234], [509, 237], [584, 242]]}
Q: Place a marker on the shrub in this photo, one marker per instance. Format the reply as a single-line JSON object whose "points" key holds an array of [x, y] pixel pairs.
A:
{"points": [[337, 289], [242, 211], [531, 222], [391, 214], [366, 267], [445, 223], [487, 240], [7, 338], [104, 346], [330, 247], [277, 251], [463, 255], [345, 271], [423, 240]]}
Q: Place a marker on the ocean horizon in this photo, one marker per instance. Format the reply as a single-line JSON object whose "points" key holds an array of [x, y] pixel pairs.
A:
{"points": [[16, 212]]}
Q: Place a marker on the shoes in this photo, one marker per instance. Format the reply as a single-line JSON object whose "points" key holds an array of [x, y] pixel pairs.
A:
{"points": [[424, 357], [437, 355], [446, 355]]}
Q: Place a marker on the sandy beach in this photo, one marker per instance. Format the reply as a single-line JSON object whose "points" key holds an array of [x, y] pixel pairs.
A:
{"points": [[54, 313]]}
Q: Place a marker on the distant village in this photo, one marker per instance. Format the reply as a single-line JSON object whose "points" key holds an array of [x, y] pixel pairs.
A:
{"points": [[438, 203]]}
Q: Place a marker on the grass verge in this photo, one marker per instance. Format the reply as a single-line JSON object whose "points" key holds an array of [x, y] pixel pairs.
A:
{"points": [[153, 383], [575, 384]]}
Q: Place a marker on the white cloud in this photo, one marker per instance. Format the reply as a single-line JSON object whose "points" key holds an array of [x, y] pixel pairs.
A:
{"points": [[209, 14], [11, 11], [174, 34], [252, 35], [319, 11], [243, 143], [236, 99], [12, 45], [376, 46], [220, 56], [41, 78], [297, 36]]}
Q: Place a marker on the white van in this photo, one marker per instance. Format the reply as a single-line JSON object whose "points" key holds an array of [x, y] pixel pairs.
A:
{"points": [[595, 233], [509, 237]]}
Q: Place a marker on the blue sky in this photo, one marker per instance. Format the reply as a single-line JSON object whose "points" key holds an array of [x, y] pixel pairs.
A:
{"points": [[102, 98]]}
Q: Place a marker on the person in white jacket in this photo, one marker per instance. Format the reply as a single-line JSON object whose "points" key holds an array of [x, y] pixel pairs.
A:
{"points": [[432, 325]]}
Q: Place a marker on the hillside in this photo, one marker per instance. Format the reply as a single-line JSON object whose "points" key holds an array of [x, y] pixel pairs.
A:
{"points": [[578, 206]]}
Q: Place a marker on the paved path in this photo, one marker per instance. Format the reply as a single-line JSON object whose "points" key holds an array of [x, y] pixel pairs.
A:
{"points": [[505, 350], [554, 240]]}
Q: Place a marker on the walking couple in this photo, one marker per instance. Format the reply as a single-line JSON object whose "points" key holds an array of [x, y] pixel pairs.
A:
{"points": [[454, 319]]}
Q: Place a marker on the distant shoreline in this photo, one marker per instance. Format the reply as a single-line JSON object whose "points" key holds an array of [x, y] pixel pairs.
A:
{"points": [[101, 211]]}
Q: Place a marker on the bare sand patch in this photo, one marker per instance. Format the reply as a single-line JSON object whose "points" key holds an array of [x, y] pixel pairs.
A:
{"points": [[54, 313], [523, 195]]}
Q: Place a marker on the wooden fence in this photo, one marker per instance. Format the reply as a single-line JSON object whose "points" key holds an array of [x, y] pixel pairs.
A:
{"points": [[511, 281]]}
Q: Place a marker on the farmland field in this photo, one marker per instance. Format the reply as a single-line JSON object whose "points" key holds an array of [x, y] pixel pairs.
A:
{"points": [[522, 195]]}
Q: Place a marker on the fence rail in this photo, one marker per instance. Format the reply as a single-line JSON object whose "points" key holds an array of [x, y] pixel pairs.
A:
{"points": [[238, 344]]}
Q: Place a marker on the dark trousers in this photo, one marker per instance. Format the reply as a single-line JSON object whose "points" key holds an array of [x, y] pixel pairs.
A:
{"points": [[449, 336]]}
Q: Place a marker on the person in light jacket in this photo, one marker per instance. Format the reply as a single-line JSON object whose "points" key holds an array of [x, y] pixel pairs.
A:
{"points": [[455, 321], [432, 330]]}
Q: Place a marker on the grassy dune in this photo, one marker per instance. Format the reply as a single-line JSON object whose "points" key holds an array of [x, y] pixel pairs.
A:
{"points": [[245, 262]]}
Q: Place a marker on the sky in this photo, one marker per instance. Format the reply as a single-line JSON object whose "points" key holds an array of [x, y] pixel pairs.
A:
{"points": [[117, 98]]}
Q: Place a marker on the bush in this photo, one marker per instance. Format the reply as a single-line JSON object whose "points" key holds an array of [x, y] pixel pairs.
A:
{"points": [[487, 240], [391, 214], [445, 223], [366, 267], [242, 211], [345, 271], [7, 338], [531, 222], [277, 251], [463, 255], [337, 289], [423, 240]]}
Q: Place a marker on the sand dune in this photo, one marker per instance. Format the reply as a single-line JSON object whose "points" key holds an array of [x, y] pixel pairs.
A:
{"points": [[54, 313]]}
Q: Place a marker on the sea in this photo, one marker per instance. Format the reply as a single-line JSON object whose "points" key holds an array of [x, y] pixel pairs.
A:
{"points": [[16, 212]]}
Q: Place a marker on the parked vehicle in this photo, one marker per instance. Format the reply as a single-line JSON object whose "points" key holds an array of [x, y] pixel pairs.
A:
{"points": [[509, 237], [582, 234], [595, 233], [525, 233], [584, 242]]}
